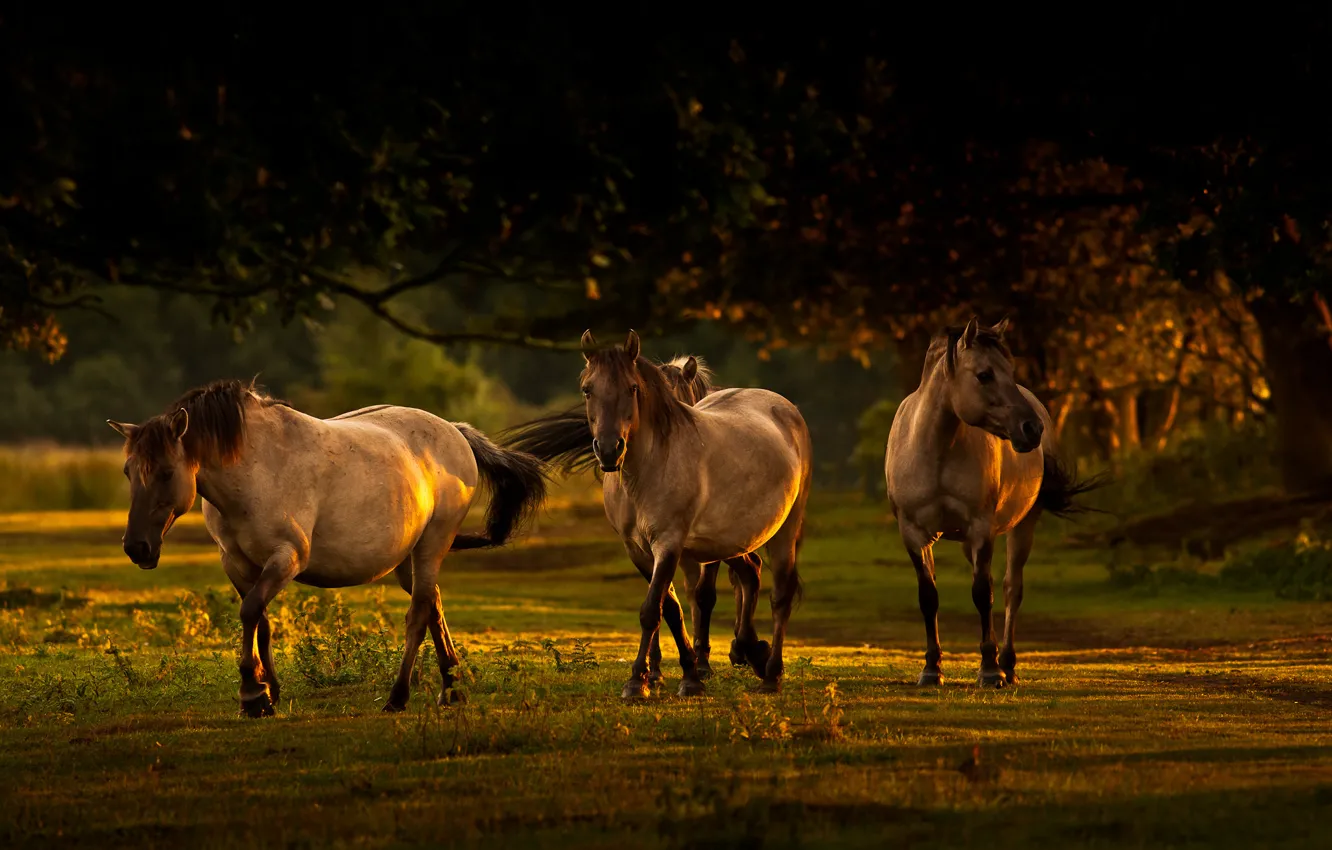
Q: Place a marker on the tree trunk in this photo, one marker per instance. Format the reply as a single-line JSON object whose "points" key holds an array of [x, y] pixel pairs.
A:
{"points": [[1130, 434], [1297, 360]]}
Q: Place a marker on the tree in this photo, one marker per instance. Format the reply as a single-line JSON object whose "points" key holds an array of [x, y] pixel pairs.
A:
{"points": [[848, 183]]}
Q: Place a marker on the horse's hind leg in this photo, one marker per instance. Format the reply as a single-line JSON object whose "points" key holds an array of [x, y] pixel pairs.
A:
{"points": [[704, 600], [784, 548], [746, 649], [424, 613], [1019, 549], [920, 549], [979, 551]]}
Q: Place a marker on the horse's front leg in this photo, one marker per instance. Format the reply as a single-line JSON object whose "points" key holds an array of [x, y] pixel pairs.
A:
{"points": [[979, 550], [256, 694], [237, 570], [671, 611], [666, 557], [920, 549]]}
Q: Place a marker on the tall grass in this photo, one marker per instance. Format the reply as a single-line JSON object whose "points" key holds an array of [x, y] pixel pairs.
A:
{"points": [[45, 477]]}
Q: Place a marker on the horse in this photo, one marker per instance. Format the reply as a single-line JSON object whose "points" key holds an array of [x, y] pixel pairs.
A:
{"points": [[970, 457], [328, 503], [563, 438], [689, 486]]}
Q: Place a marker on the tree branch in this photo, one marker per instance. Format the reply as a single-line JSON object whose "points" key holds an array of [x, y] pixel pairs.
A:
{"points": [[522, 340]]}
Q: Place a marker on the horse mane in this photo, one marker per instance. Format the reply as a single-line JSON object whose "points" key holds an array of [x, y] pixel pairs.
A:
{"points": [[216, 431], [658, 404], [702, 384], [944, 345], [562, 439]]}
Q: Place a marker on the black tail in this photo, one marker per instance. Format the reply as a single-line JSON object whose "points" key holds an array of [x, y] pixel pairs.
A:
{"points": [[560, 439], [1060, 488], [517, 482]]}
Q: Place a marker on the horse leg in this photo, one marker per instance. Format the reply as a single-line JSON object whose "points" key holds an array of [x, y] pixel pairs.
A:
{"points": [[424, 613], [256, 696], [264, 633], [672, 613], [1019, 548], [979, 551], [920, 548], [746, 648], [784, 546], [666, 557], [704, 600]]}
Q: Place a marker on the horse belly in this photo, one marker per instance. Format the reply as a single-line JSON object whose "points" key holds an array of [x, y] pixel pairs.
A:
{"points": [[735, 522], [362, 538]]}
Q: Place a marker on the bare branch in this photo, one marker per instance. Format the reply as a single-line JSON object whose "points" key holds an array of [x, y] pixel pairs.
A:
{"points": [[374, 305]]}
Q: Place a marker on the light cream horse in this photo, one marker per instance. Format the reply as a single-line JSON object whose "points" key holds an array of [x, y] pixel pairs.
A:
{"points": [[970, 457], [688, 486], [325, 502]]}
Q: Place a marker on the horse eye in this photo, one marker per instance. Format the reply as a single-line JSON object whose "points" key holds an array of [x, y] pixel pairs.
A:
{"points": [[587, 391], [634, 389], [985, 377]]}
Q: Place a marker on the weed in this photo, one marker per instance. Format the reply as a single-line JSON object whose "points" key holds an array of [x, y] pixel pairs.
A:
{"points": [[581, 658]]}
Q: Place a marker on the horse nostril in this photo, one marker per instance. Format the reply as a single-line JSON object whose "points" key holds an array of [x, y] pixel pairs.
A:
{"points": [[619, 445], [596, 445], [1031, 429]]}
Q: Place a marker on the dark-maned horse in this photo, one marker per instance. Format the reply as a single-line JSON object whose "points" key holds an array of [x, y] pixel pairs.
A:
{"points": [[325, 502], [688, 486], [971, 456]]}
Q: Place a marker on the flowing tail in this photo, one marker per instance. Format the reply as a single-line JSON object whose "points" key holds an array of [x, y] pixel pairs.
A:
{"points": [[517, 482], [1060, 488], [560, 439]]}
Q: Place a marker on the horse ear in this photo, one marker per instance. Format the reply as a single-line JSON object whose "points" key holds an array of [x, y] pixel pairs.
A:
{"points": [[1001, 328], [690, 369], [124, 429], [632, 346], [589, 343], [969, 335], [180, 423]]}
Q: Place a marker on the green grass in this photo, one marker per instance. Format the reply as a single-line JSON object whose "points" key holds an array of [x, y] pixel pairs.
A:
{"points": [[1175, 715]]}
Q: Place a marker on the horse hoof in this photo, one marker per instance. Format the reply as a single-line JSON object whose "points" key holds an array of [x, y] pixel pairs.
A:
{"points": [[990, 680], [655, 682], [738, 655], [759, 652], [770, 686], [691, 688], [704, 670], [930, 677], [450, 696], [1010, 676], [394, 707], [257, 706], [636, 689]]}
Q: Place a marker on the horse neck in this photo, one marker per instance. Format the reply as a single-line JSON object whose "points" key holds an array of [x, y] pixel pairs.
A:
{"points": [[645, 460], [936, 422], [222, 486]]}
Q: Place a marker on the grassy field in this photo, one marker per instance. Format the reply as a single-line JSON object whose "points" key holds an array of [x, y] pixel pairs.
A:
{"points": [[1162, 714]]}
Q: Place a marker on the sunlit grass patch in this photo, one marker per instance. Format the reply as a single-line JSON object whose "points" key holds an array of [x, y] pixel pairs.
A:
{"points": [[1191, 715]]}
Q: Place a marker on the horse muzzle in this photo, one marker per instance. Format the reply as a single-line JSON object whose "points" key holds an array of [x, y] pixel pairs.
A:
{"points": [[143, 554], [609, 461]]}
